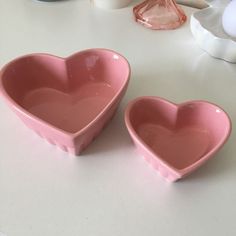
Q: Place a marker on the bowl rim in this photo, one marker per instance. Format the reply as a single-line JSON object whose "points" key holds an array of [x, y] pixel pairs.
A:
{"points": [[24, 112], [184, 171]]}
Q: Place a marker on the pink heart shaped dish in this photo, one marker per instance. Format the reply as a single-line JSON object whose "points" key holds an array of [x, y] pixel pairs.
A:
{"points": [[176, 139], [66, 101]]}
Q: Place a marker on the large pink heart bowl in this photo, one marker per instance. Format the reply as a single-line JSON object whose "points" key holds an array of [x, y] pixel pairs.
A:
{"points": [[176, 139], [66, 101]]}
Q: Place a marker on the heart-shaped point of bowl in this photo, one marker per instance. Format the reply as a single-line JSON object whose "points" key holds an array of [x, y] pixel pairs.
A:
{"points": [[66, 101], [176, 139]]}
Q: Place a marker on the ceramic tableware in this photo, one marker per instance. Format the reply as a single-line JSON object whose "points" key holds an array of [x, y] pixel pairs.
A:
{"points": [[66, 100], [229, 19], [176, 139], [207, 29]]}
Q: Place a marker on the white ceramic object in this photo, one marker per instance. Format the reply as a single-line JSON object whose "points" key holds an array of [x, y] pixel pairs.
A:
{"points": [[229, 19], [206, 27], [111, 4]]}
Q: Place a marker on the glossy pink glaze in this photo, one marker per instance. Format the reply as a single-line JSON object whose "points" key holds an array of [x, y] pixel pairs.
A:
{"points": [[176, 139], [66, 101]]}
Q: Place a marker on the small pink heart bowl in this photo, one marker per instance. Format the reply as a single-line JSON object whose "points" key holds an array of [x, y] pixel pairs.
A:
{"points": [[176, 139], [66, 101]]}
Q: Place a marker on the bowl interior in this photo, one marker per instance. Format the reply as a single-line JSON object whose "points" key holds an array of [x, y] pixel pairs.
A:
{"points": [[66, 93], [180, 135]]}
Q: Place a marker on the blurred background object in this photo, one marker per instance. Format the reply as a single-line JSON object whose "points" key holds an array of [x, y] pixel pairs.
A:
{"points": [[193, 3]]}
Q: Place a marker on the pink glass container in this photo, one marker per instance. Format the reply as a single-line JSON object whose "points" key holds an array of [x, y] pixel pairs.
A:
{"points": [[159, 14]]}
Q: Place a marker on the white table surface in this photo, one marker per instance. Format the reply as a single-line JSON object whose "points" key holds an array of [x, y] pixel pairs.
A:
{"points": [[110, 190]]}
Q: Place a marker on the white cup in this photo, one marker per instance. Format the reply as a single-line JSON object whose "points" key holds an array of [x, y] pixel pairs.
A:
{"points": [[111, 4]]}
